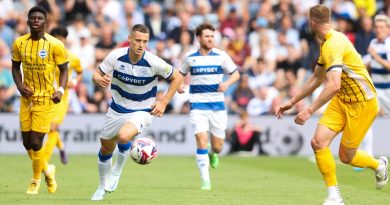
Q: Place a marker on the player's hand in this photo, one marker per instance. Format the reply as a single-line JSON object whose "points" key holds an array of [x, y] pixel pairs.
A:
{"points": [[105, 80], [158, 108], [181, 89], [279, 111], [222, 87], [302, 117], [56, 97], [25, 91]]}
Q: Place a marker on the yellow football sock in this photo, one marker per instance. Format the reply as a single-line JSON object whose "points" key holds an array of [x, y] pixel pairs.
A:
{"points": [[60, 144], [327, 166], [51, 142], [363, 159], [29, 152], [37, 164]]}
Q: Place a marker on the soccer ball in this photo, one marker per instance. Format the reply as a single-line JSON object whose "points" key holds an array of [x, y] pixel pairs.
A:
{"points": [[143, 150]]}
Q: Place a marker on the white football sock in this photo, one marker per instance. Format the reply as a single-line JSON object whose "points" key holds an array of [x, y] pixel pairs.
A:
{"points": [[121, 158], [104, 169], [203, 164]]}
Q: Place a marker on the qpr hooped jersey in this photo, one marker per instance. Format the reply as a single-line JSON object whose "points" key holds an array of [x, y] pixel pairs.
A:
{"points": [[134, 86], [206, 75], [379, 74]]}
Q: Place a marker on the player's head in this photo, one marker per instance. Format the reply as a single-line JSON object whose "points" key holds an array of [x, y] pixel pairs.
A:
{"points": [[205, 35], [60, 33], [318, 16], [382, 27], [37, 19], [139, 38]]}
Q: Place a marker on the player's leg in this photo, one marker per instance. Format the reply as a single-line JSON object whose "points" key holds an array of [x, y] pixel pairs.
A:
{"points": [[126, 133], [52, 138], [325, 161], [104, 165], [354, 132], [366, 145], [218, 123], [202, 159], [200, 127]]}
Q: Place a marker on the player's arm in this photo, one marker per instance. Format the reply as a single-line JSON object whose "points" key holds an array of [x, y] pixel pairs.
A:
{"points": [[232, 79], [332, 86], [25, 91], [312, 83], [100, 78], [57, 95], [384, 62], [181, 86], [159, 107]]}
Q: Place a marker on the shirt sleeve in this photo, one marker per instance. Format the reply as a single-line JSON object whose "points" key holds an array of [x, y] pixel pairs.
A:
{"points": [[228, 65], [162, 68], [332, 55], [108, 63], [15, 51], [185, 67], [60, 54]]}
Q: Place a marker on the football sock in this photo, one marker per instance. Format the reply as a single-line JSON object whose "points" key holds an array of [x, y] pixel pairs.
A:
{"points": [[202, 160], [327, 166], [104, 166], [52, 138], [363, 159], [60, 143], [121, 157], [36, 158], [30, 152]]}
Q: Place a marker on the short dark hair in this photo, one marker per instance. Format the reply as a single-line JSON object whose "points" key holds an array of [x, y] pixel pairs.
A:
{"points": [[140, 28], [320, 14], [37, 9], [203, 26], [59, 31]]}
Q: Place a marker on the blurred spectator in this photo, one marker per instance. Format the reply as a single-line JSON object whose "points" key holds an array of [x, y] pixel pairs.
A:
{"points": [[238, 47], [260, 75], [155, 21], [76, 8], [261, 104], [174, 35], [283, 8], [203, 14], [6, 32], [241, 96], [244, 137], [345, 25], [364, 35], [106, 42], [365, 7], [7, 85], [287, 56]]}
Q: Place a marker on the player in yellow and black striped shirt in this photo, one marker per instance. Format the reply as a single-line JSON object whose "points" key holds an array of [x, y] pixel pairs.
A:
{"points": [[61, 109], [352, 109], [39, 54]]}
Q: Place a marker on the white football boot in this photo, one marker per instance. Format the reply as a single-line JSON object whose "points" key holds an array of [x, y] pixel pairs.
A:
{"points": [[99, 194], [381, 174], [112, 183]]}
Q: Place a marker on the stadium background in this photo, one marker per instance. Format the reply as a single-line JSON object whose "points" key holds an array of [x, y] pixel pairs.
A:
{"points": [[268, 40]]}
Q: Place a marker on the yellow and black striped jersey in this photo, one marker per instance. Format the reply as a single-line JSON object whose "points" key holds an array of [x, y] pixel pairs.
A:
{"points": [[39, 60], [338, 52]]}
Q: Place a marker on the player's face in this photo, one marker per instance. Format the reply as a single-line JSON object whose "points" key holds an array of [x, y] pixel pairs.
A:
{"points": [[138, 42], [36, 21], [381, 30], [206, 40]]}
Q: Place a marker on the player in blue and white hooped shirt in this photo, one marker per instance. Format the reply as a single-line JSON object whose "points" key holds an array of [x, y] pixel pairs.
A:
{"points": [[134, 73], [208, 115], [378, 59]]}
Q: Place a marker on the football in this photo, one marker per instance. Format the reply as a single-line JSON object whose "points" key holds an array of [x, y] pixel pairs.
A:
{"points": [[143, 150]]}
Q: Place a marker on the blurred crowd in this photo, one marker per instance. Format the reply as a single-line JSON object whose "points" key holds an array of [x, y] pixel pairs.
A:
{"points": [[269, 41]]}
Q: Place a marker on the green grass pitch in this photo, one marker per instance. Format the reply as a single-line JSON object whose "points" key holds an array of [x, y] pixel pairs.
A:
{"points": [[175, 181]]}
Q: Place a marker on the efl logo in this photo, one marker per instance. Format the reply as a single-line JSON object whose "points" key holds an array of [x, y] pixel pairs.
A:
{"points": [[42, 53]]}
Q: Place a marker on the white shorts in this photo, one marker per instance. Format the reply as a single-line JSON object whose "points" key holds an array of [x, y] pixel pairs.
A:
{"points": [[209, 120], [384, 100], [114, 121]]}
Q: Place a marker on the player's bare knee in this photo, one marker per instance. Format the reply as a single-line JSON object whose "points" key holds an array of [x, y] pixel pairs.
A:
{"points": [[316, 144], [36, 146], [106, 150], [345, 158]]}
